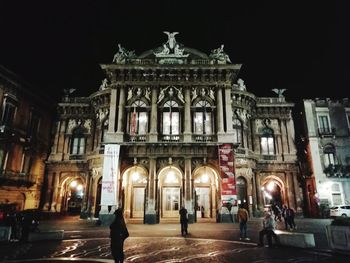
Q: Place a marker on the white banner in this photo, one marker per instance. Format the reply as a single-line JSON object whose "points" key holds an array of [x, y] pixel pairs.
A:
{"points": [[109, 191]]}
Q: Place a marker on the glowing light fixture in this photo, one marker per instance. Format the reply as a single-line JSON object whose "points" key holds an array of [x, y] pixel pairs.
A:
{"points": [[270, 186], [135, 176], [79, 187], [73, 184]]}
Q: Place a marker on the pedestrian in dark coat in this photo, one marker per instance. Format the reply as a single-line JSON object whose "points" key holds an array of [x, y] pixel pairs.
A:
{"points": [[119, 233], [183, 220]]}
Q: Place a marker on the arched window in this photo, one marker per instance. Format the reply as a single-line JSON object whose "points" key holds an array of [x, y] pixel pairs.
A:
{"points": [[237, 131], [171, 118], [329, 155], [202, 118], [138, 118], [78, 141], [267, 142]]}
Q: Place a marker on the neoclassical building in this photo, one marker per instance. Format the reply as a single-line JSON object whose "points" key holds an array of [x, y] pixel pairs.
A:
{"points": [[189, 134], [25, 124]]}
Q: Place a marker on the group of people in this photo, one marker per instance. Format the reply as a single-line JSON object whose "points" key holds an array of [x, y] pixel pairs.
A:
{"points": [[287, 213], [119, 231]]}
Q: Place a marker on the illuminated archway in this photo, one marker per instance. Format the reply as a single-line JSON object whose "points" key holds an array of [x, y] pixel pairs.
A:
{"points": [[72, 194], [170, 191], [134, 186], [273, 191]]}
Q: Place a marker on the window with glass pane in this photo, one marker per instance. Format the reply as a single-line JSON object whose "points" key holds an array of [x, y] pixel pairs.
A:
{"points": [[33, 125], [171, 118], [324, 123], [8, 113], [26, 163], [138, 118], [203, 118], [78, 141], [267, 142], [329, 155], [237, 131], [2, 159]]}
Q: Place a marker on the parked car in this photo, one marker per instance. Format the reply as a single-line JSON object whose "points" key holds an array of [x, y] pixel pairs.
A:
{"points": [[343, 210]]}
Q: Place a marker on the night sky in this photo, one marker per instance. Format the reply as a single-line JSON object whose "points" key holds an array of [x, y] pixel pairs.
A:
{"points": [[295, 45]]}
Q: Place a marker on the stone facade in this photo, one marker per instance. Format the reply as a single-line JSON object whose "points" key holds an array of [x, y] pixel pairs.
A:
{"points": [[170, 109], [328, 155], [24, 141]]}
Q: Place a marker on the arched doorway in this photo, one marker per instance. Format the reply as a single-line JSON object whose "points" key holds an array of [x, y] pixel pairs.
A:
{"points": [[73, 190], [134, 187], [273, 191], [205, 185], [242, 196], [170, 179]]}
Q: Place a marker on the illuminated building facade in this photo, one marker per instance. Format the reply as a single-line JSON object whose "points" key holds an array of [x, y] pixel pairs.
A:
{"points": [[175, 112]]}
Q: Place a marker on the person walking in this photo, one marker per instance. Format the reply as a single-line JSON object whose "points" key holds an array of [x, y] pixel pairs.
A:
{"points": [[290, 215], [242, 215], [268, 230], [285, 216], [118, 234], [183, 220]]}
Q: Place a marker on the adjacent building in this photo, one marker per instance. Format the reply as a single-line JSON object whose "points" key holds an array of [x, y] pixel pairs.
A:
{"points": [[327, 138], [187, 132], [25, 123]]}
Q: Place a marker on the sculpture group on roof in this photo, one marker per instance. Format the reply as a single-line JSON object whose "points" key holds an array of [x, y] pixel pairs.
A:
{"points": [[123, 54], [220, 55], [170, 48]]}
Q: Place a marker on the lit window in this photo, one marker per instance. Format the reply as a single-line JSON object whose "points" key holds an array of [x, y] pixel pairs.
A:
{"points": [[171, 118], [203, 123], [237, 131], [267, 142], [78, 141], [138, 118], [329, 155], [323, 123]]}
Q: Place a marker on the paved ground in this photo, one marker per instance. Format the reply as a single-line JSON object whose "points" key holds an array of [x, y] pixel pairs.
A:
{"points": [[162, 243]]}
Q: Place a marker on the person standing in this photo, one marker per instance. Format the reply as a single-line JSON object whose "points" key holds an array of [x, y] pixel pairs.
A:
{"points": [[183, 220], [268, 230], [285, 216], [291, 215], [118, 234], [242, 215]]}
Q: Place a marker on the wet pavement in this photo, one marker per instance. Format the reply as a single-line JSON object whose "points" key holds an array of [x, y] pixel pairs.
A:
{"points": [[162, 243]]}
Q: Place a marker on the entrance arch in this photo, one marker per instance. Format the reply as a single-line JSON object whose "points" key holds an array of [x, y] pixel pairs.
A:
{"points": [[170, 185], [205, 185], [134, 187], [242, 191], [273, 191], [72, 192]]}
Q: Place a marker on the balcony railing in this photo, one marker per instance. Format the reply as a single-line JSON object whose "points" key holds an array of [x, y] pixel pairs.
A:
{"points": [[12, 178], [203, 138], [324, 132], [136, 138], [337, 170], [269, 157], [76, 157], [170, 138]]}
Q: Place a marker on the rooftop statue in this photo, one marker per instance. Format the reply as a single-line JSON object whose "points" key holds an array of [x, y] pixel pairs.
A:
{"points": [[220, 55], [103, 85], [279, 92], [241, 85], [171, 39], [170, 49], [122, 54]]}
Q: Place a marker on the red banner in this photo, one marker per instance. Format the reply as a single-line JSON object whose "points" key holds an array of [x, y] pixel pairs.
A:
{"points": [[227, 173]]}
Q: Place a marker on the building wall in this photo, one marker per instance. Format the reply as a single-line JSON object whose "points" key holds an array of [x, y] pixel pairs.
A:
{"points": [[332, 178], [24, 149]]}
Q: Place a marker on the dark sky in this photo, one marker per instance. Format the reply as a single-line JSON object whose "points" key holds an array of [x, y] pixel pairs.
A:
{"points": [[297, 45]]}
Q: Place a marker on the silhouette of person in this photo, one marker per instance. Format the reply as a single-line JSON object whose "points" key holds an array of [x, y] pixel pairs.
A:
{"points": [[183, 220], [118, 234]]}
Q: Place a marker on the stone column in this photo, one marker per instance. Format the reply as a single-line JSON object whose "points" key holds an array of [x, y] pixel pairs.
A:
{"points": [[121, 113], [55, 192], [112, 111], [84, 213], [188, 190], [48, 194], [290, 136], [219, 114], [187, 118], [153, 134], [151, 215], [298, 196], [228, 110], [283, 138], [259, 194]]}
